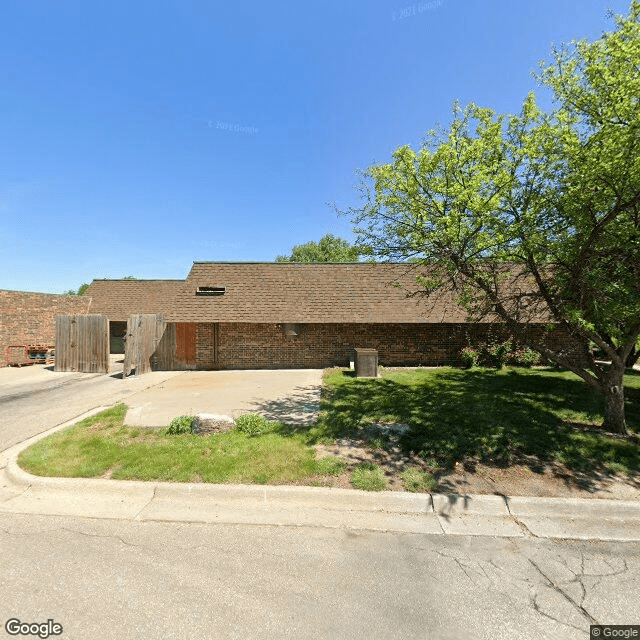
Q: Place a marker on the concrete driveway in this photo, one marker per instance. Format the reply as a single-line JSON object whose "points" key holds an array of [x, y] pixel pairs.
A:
{"points": [[34, 399], [289, 395]]}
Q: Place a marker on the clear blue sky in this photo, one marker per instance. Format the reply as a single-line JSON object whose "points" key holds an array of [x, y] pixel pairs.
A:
{"points": [[139, 136]]}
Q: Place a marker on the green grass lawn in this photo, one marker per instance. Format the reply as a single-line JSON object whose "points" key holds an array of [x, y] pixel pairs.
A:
{"points": [[497, 417], [102, 446]]}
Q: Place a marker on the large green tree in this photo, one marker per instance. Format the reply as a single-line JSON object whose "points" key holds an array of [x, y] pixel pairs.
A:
{"points": [[82, 289], [330, 248], [533, 215]]}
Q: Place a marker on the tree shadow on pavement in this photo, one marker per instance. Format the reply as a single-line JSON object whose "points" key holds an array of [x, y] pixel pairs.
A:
{"points": [[298, 409]]}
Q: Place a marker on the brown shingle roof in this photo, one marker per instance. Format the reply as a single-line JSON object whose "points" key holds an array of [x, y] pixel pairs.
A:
{"points": [[280, 292], [118, 299], [292, 292]]}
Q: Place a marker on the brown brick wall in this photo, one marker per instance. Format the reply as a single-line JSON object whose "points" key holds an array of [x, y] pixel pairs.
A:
{"points": [[205, 346], [261, 346], [29, 318]]}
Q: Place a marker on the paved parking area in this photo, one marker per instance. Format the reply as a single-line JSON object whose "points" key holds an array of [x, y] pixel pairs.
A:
{"points": [[288, 395], [34, 399], [11, 377]]}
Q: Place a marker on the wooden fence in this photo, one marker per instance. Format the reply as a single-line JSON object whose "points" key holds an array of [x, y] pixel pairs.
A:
{"points": [[151, 344], [144, 334], [82, 344]]}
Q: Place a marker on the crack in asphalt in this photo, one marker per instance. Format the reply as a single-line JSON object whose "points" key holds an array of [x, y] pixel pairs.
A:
{"points": [[584, 569], [579, 577], [478, 570], [467, 565], [537, 609], [582, 587], [625, 569], [560, 591], [219, 549], [111, 536]]}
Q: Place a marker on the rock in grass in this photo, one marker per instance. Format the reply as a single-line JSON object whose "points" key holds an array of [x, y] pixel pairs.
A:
{"points": [[205, 423]]}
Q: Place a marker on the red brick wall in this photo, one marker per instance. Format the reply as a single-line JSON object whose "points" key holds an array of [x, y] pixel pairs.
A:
{"points": [[262, 346], [29, 318], [206, 346]]}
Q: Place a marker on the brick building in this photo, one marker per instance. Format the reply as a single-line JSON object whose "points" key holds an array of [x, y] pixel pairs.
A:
{"points": [[29, 318], [271, 315]]}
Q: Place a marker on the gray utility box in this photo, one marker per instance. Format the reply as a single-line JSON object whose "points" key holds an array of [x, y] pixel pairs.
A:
{"points": [[366, 363]]}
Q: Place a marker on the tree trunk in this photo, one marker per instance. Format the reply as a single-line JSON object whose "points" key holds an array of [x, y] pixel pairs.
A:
{"points": [[633, 357], [613, 390]]}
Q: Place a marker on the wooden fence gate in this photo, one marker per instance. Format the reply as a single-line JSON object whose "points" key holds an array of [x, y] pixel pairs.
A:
{"points": [[144, 334], [82, 344], [152, 344]]}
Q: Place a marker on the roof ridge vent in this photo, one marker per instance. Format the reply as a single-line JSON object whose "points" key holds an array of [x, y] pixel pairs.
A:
{"points": [[211, 291]]}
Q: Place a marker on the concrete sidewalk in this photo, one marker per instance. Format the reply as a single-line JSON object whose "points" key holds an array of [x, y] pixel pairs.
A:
{"points": [[487, 515]]}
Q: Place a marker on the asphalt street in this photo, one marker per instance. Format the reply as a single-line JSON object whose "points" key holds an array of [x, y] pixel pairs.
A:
{"points": [[113, 579]]}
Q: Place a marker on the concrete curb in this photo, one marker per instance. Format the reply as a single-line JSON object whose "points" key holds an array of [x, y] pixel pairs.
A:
{"points": [[229, 494], [458, 504], [452, 514], [23, 480], [318, 497], [523, 506]]}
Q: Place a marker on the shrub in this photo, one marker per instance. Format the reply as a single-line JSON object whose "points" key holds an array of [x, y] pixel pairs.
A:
{"points": [[417, 480], [500, 354], [470, 357], [524, 357], [368, 477], [253, 424], [529, 358], [181, 424]]}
